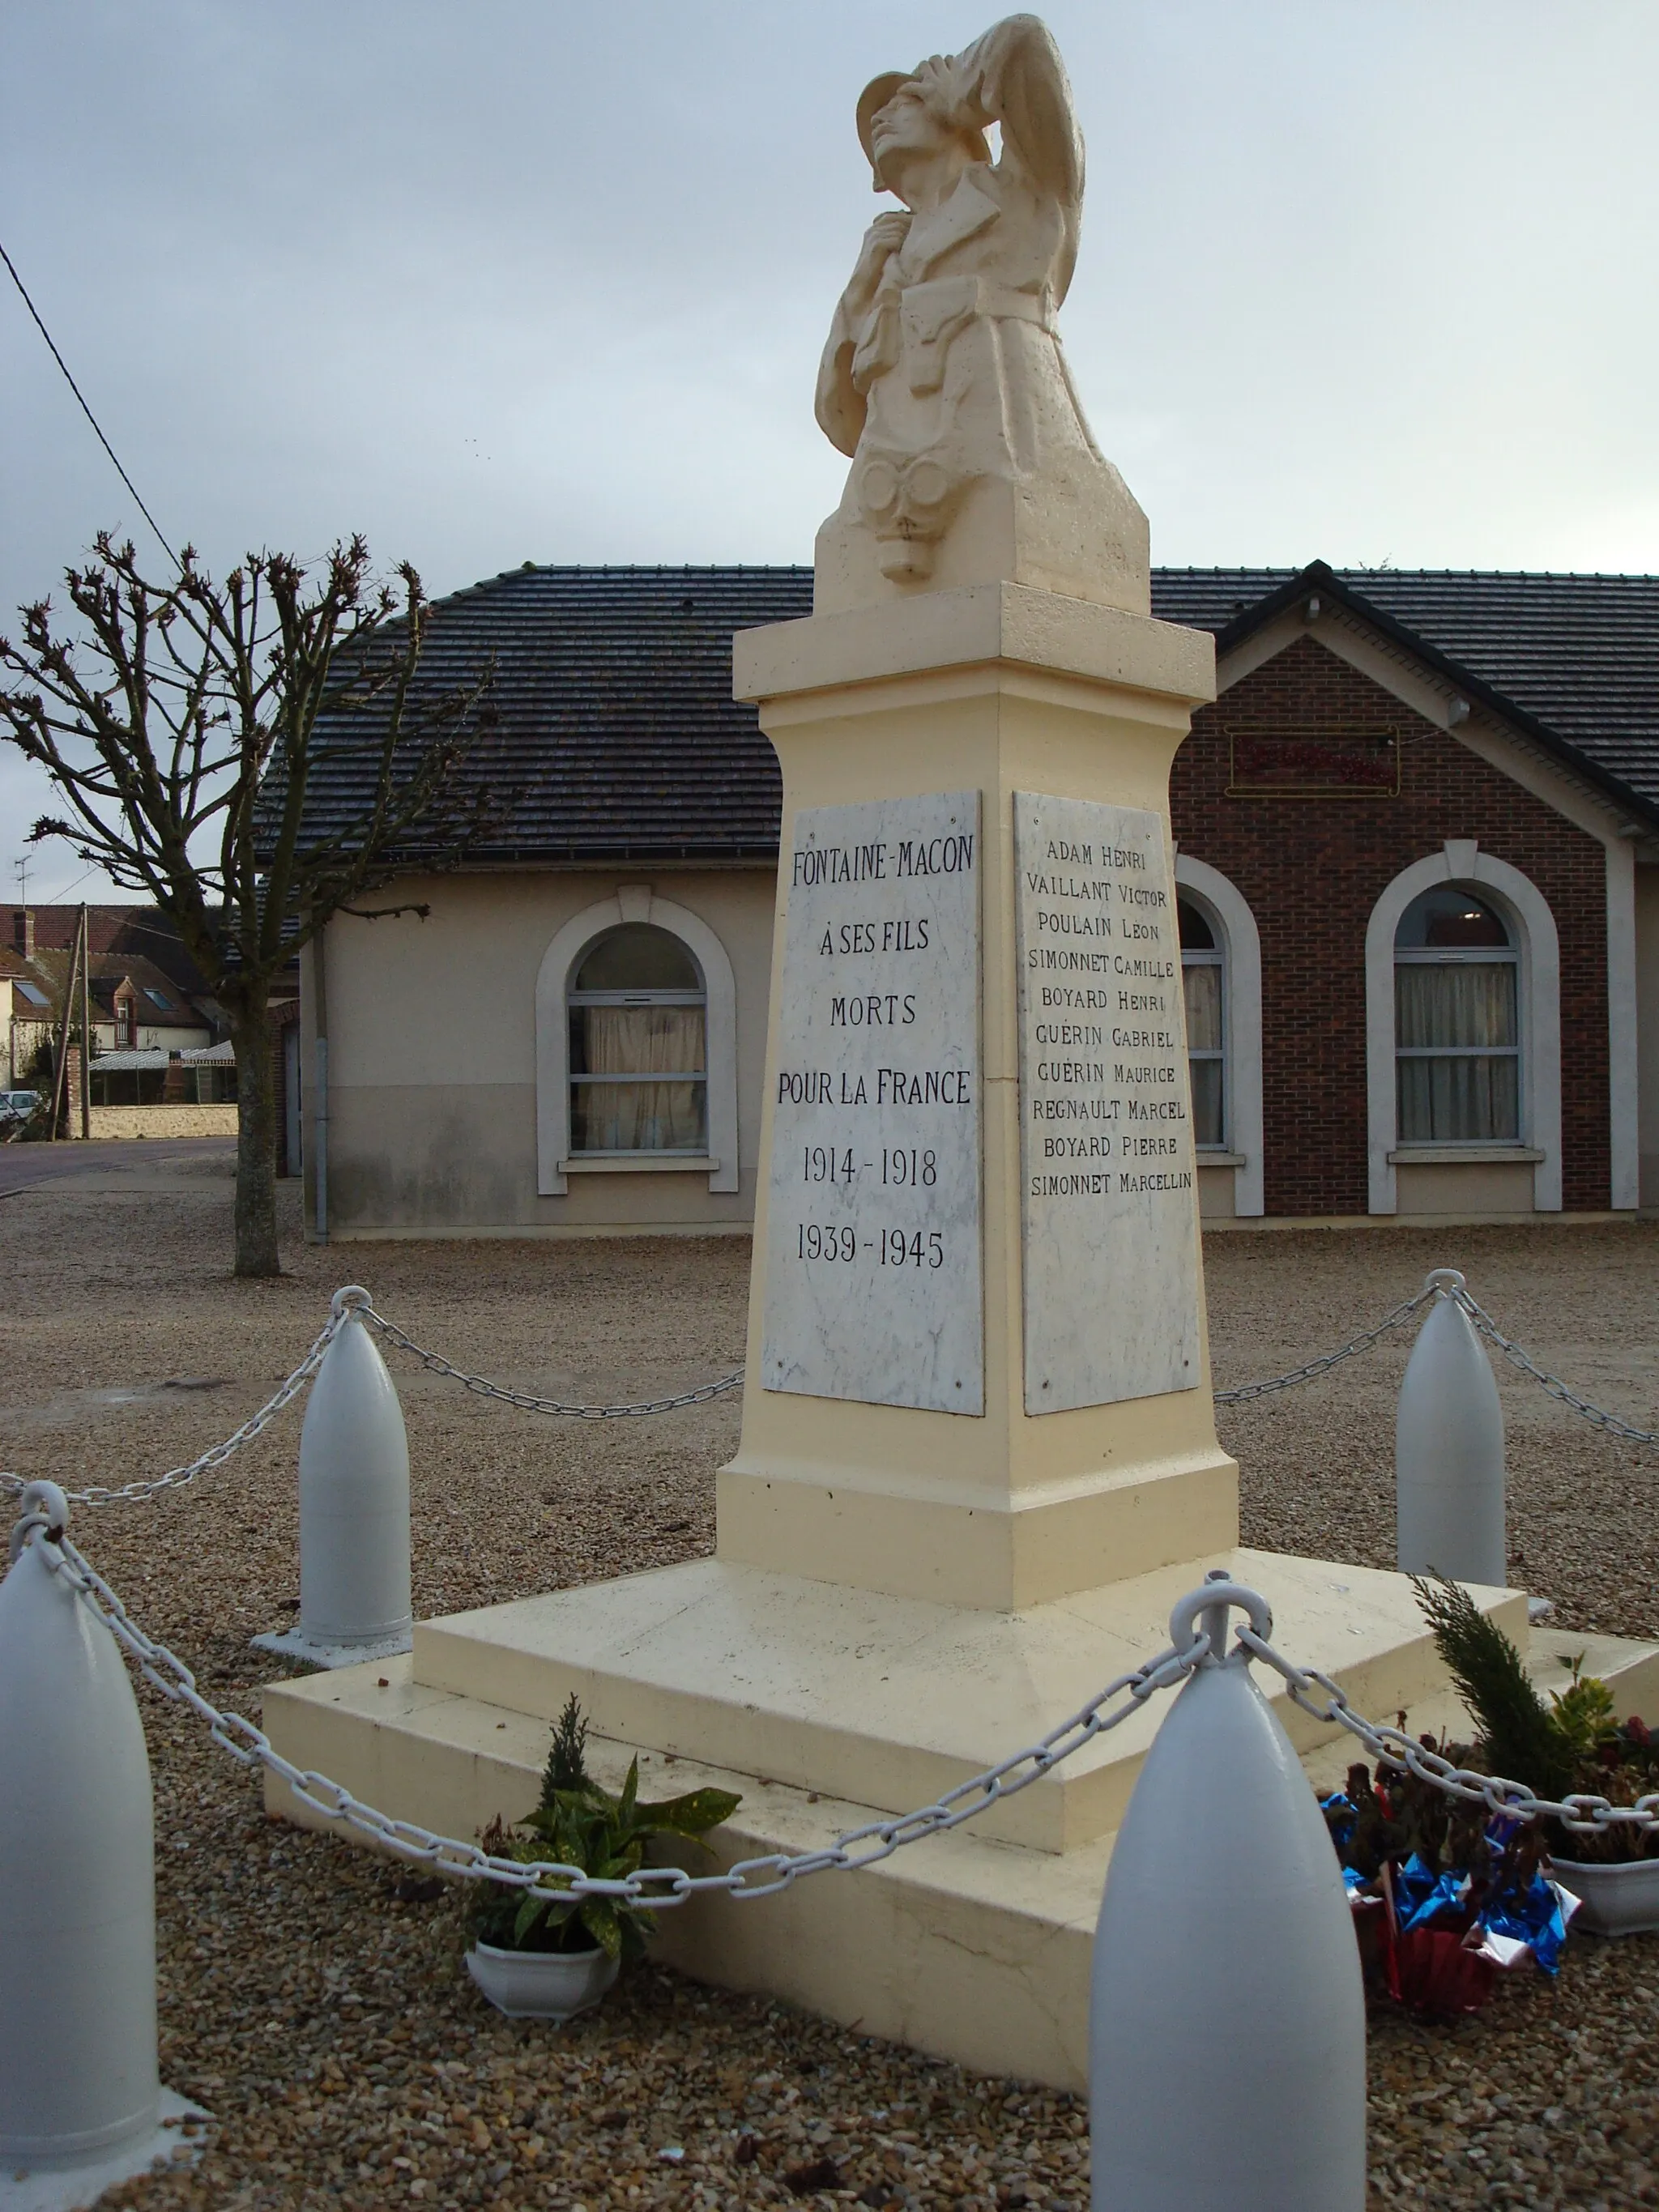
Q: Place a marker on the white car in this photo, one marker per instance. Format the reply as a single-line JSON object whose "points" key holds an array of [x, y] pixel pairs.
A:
{"points": [[15, 1107]]}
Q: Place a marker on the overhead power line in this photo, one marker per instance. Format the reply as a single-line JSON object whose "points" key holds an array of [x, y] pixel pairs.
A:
{"points": [[85, 409]]}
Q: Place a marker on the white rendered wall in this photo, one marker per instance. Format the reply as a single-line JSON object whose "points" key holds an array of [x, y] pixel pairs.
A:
{"points": [[1646, 899], [432, 1057]]}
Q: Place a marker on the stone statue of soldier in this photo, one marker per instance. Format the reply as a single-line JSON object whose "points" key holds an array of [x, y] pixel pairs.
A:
{"points": [[943, 378]]}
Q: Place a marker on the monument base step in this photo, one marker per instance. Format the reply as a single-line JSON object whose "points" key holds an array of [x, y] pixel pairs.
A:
{"points": [[892, 1701], [164, 2148], [968, 1949], [961, 1946], [975, 1945]]}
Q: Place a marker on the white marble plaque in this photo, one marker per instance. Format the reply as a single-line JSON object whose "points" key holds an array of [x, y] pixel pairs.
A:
{"points": [[1108, 1203], [873, 1274]]}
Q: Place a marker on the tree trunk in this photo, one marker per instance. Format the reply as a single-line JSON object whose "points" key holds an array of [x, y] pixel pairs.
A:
{"points": [[255, 1143]]}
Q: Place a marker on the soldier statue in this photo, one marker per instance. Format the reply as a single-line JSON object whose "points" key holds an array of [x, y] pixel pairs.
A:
{"points": [[944, 379]]}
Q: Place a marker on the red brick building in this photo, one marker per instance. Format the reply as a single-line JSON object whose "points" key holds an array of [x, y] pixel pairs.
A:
{"points": [[1430, 800]]}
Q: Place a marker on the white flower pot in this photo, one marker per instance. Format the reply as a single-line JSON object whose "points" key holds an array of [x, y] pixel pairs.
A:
{"points": [[541, 1984], [1614, 1900]]}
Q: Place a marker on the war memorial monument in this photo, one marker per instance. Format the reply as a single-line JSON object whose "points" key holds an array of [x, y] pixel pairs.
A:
{"points": [[978, 1462]]}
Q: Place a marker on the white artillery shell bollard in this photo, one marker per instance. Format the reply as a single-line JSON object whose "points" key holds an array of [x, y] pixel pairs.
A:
{"points": [[81, 2102], [1227, 2016], [1448, 1450], [354, 1508]]}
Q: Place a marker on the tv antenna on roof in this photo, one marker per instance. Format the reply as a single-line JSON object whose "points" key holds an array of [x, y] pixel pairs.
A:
{"points": [[20, 870]]}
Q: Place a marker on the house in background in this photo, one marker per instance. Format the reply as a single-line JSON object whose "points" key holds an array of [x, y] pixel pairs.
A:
{"points": [[159, 1037], [1418, 862], [137, 1003], [621, 917], [131, 930], [18, 991]]}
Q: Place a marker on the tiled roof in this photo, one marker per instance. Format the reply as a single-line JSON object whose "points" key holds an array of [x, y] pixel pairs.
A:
{"points": [[124, 929], [617, 737], [106, 972]]}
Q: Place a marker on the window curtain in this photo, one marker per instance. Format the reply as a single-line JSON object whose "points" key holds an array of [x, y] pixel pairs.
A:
{"points": [[1201, 983], [639, 1117], [1446, 1097], [1207, 1101]]}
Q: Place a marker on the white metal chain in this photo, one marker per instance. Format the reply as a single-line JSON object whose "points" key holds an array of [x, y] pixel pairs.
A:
{"points": [[347, 1304], [175, 1478], [525, 1401], [353, 1300], [1445, 1282], [653, 1886], [1553, 1383], [1245, 1391], [1583, 1814]]}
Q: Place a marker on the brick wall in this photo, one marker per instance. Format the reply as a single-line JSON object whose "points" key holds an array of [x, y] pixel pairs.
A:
{"points": [[1312, 869]]}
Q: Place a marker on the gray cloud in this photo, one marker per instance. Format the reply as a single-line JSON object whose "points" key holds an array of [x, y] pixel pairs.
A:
{"points": [[508, 281]]}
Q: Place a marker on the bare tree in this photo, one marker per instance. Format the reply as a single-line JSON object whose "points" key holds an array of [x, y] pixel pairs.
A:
{"points": [[184, 725]]}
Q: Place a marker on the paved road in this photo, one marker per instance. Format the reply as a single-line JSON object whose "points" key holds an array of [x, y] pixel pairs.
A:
{"points": [[23, 1165]]}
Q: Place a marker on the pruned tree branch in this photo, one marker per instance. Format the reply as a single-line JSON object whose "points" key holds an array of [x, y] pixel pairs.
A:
{"points": [[184, 724]]}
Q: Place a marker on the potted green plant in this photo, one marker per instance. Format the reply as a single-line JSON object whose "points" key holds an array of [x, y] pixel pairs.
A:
{"points": [[540, 1952], [1572, 1745]]}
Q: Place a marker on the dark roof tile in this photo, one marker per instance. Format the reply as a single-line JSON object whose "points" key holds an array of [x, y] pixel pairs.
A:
{"points": [[616, 736]]}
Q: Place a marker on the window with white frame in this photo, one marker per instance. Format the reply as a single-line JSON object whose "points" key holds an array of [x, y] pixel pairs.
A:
{"points": [[1203, 985], [639, 1059], [1457, 1042]]}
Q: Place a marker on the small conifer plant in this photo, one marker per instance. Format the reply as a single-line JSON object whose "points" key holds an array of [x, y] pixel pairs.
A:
{"points": [[578, 1824], [1519, 1735], [1573, 1745]]}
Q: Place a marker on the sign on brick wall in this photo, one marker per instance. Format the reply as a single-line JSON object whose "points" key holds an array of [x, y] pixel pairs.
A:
{"points": [[1339, 763]]}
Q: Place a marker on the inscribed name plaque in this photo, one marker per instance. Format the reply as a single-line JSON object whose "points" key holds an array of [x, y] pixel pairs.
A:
{"points": [[874, 1275], [1108, 1212]]}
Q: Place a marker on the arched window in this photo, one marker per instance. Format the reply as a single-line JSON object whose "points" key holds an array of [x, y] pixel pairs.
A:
{"points": [[639, 1054], [1203, 986], [650, 958], [1457, 1041]]}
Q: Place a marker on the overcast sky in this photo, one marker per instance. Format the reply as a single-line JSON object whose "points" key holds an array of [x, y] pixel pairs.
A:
{"points": [[504, 280]]}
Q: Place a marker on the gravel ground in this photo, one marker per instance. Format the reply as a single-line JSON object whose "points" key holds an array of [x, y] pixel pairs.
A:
{"points": [[311, 1997]]}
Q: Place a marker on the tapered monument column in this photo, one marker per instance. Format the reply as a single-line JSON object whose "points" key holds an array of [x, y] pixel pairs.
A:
{"points": [[977, 1369]]}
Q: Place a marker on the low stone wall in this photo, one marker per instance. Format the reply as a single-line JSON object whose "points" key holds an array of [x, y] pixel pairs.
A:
{"points": [[164, 1121]]}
